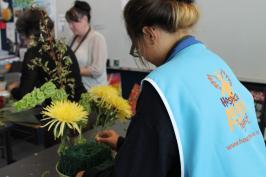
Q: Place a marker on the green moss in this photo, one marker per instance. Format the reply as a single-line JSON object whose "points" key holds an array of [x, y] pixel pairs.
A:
{"points": [[84, 157]]}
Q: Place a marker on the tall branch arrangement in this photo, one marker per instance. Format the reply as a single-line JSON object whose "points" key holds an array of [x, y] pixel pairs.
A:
{"points": [[56, 49]]}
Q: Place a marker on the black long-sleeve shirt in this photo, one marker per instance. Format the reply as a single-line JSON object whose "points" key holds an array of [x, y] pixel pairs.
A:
{"points": [[37, 77], [149, 148]]}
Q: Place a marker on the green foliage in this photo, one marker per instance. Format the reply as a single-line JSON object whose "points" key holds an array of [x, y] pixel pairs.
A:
{"points": [[30, 100], [48, 89], [80, 140], [39, 95], [105, 117], [85, 102], [84, 156], [56, 49], [22, 3], [60, 95]]}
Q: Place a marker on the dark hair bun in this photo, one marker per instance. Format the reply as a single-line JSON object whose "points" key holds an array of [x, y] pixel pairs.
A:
{"points": [[82, 5], [186, 1]]}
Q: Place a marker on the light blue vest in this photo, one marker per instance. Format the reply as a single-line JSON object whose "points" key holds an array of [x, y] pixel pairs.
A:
{"points": [[212, 114]]}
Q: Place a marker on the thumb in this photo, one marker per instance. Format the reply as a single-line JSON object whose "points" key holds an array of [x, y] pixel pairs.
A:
{"points": [[104, 134], [102, 140]]}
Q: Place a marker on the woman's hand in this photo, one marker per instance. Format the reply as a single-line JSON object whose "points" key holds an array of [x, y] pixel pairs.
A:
{"points": [[12, 86], [109, 137], [85, 71], [80, 174]]}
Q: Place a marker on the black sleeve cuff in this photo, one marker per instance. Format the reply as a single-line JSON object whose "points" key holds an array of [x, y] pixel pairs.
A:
{"points": [[15, 93], [120, 142]]}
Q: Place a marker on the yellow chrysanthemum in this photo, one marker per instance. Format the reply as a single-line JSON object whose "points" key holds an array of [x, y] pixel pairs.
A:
{"points": [[103, 91], [64, 113], [108, 97], [124, 109]]}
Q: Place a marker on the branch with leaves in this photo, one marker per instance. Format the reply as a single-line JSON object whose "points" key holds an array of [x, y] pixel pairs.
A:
{"points": [[56, 49]]}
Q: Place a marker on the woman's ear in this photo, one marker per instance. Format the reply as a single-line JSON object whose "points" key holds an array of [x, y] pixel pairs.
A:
{"points": [[151, 34]]}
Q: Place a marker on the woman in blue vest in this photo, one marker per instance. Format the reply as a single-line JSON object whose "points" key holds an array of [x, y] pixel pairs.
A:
{"points": [[194, 118]]}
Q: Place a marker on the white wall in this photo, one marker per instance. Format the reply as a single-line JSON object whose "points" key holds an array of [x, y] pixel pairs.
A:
{"points": [[61, 7], [236, 30]]}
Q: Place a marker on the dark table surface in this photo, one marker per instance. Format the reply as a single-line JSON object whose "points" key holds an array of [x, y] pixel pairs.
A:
{"points": [[43, 164], [35, 165]]}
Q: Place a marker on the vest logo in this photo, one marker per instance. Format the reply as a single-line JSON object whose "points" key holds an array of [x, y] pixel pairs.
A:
{"points": [[235, 108]]}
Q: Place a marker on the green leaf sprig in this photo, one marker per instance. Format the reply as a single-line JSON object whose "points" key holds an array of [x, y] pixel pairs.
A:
{"points": [[39, 95]]}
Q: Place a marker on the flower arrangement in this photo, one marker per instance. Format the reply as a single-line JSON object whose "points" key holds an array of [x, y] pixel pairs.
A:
{"points": [[108, 105], [65, 118]]}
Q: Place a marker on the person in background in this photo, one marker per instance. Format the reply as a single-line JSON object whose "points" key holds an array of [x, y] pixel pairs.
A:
{"points": [[28, 26], [89, 45], [194, 118]]}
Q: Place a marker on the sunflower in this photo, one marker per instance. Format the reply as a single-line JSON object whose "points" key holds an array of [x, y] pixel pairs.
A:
{"points": [[64, 113]]}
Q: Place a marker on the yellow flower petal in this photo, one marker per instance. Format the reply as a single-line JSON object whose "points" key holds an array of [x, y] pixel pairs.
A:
{"points": [[55, 129], [64, 113], [108, 99], [62, 127], [51, 124]]}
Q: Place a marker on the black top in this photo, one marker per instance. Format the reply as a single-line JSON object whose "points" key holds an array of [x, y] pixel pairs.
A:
{"points": [[37, 77], [150, 148]]}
